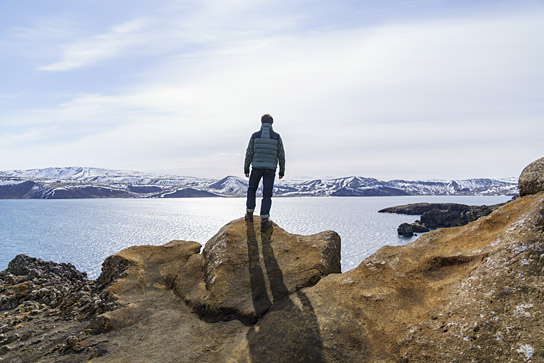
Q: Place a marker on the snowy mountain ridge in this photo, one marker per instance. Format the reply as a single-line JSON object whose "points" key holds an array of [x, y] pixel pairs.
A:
{"points": [[86, 182]]}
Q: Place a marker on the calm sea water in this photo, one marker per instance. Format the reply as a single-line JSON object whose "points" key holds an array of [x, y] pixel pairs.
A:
{"points": [[85, 232]]}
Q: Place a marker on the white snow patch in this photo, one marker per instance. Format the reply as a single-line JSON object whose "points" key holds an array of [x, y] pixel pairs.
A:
{"points": [[521, 310], [519, 249], [527, 350]]}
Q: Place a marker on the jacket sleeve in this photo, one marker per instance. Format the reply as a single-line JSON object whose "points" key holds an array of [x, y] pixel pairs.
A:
{"points": [[281, 157], [249, 156]]}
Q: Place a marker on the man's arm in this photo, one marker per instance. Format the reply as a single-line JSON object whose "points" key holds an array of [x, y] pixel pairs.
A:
{"points": [[249, 156], [281, 158]]}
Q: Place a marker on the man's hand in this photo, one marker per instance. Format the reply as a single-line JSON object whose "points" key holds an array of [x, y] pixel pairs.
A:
{"points": [[281, 176], [247, 175]]}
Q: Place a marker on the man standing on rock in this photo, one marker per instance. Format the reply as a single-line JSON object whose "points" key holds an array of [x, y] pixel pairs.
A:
{"points": [[264, 152]]}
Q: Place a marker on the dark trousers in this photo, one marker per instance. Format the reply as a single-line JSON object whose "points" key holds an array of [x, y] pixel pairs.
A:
{"points": [[268, 176]]}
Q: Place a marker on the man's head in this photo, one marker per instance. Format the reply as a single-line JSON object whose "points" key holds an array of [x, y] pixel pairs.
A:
{"points": [[267, 119]]}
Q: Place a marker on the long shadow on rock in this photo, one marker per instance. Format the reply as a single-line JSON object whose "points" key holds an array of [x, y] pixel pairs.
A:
{"points": [[289, 332]]}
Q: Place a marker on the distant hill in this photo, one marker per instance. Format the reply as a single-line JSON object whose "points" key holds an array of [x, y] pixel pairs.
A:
{"points": [[84, 182]]}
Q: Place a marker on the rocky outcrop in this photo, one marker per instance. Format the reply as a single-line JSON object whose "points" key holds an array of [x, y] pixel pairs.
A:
{"points": [[531, 180], [233, 285], [471, 293], [438, 215], [42, 304], [409, 229]]}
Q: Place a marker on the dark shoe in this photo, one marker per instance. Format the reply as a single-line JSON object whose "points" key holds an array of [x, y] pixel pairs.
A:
{"points": [[249, 217], [265, 224]]}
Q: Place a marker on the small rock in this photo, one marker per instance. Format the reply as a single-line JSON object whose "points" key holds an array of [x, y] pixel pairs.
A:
{"points": [[405, 230], [531, 180]]}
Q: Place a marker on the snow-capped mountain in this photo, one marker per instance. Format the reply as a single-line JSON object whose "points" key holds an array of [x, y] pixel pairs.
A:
{"points": [[81, 182], [98, 175], [231, 185]]}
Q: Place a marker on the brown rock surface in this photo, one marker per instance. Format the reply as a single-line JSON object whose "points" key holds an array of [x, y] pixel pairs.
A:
{"points": [[468, 294], [234, 282], [531, 180]]}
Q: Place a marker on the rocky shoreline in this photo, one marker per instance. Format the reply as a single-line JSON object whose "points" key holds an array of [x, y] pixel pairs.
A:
{"points": [[469, 293], [42, 304], [438, 215]]}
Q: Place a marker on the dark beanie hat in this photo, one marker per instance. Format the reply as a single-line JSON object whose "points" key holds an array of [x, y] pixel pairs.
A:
{"points": [[267, 119]]}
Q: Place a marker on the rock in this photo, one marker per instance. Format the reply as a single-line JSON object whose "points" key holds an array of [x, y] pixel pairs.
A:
{"points": [[23, 265], [444, 218], [408, 229], [405, 230], [418, 227], [531, 180], [227, 281], [415, 208], [233, 262], [43, 303], [438, 215]]}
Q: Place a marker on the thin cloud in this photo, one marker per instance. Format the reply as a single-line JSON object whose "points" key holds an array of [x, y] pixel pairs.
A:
{"points": [[10, 95], [88, 51]]}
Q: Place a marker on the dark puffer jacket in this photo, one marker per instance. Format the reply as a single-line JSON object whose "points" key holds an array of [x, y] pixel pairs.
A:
{"points": [[265, 150]]}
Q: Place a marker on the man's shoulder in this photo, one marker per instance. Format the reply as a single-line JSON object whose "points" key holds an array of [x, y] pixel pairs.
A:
{"points": [[274, 135]]}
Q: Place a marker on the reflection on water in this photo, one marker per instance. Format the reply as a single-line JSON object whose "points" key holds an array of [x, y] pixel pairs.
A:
{"points": [[85, 232]]}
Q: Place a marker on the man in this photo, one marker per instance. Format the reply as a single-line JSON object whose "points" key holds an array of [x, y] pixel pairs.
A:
{"points": [[264, 152]]}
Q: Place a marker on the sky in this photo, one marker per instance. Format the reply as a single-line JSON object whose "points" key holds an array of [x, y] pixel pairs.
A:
{"points": [[417, 89]]}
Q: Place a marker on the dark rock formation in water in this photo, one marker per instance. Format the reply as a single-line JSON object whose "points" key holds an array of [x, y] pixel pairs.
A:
{"points": [[438, 215], [470, 294], [409, 229]]}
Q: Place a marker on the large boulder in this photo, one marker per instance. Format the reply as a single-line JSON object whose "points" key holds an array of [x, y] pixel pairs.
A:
{"points": [[531, 180], [245, 271]]}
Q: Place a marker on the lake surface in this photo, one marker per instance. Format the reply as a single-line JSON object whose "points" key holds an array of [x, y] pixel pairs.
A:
{"points": [[86, 231]]}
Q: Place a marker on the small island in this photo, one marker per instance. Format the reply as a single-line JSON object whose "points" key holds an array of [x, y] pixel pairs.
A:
{"points": [[438, 215]]}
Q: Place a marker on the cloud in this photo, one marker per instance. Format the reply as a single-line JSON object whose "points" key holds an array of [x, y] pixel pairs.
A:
{"points": [[120, 39], [172, 28], [10, 95]]}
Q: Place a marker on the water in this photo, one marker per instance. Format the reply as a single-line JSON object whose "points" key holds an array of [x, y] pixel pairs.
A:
{"points": [[84, 232]]}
